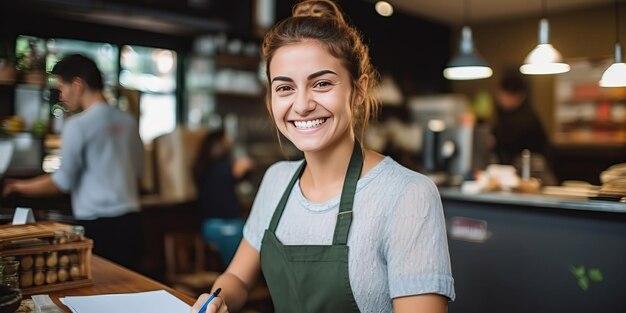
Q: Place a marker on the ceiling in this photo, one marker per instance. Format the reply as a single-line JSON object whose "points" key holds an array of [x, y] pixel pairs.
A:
{"points": [[452, 11]]}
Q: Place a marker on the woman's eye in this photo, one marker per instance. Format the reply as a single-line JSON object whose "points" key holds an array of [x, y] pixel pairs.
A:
{"points": [[323, 84], [283, 88]]}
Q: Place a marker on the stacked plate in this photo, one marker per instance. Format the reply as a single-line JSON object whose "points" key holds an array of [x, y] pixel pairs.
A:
{"points": [[572, 188], [613, 181]]}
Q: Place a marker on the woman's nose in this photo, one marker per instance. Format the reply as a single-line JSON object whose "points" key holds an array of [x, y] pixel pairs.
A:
{"points": [[304, 104]]}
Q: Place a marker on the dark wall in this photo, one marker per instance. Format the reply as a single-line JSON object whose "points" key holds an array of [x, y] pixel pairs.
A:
{"points": [[413, 50], [21, 20]]}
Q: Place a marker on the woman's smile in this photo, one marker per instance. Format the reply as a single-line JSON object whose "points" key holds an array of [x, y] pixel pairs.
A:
{"points": [[309, 124]]}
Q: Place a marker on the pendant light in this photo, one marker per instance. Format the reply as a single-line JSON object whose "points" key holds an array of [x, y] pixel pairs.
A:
{"points": [[544, 59], [467, 64], [615, 75]]}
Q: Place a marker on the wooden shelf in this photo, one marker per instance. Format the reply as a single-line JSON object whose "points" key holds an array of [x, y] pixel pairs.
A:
{"points": [[592, 124]]}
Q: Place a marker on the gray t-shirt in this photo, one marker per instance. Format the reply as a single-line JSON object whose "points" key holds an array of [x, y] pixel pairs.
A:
{"points": [[101, 162], [398, 244]]}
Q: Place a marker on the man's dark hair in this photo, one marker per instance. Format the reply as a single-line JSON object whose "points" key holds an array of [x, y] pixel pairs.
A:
{"points": [[513, 81], [78, 65]]}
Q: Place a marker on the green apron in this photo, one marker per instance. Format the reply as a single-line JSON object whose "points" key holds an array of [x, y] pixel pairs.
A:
{"points": [[312, 278]]}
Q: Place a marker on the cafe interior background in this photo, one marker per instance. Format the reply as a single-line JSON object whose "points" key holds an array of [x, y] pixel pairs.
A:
{"points": [[185, 67]]}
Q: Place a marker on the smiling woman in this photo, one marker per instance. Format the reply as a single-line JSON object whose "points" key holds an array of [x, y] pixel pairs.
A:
{"points": [[311, 103], [358, 223]]}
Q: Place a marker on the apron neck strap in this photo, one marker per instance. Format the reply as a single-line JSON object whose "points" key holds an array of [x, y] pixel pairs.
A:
{"points": [[344, 217], [283, 201]]}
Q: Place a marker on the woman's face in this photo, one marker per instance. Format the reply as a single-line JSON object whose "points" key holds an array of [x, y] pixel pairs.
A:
{"points": [[310, 96]]}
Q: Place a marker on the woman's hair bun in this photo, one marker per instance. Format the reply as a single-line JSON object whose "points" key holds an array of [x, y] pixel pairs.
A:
{"points": [[318, 8]]}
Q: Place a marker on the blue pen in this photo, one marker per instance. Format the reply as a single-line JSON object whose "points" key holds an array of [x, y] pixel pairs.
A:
{"points": [[215, 294]]}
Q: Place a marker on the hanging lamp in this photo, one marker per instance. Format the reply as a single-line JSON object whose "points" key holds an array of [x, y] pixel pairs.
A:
{"points": [[615, 75], [544, 59], [467, 64]]}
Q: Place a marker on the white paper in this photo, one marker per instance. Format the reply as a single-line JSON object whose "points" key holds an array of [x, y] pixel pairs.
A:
{"points": [[158, 301], [23, 216], [43, 304]]}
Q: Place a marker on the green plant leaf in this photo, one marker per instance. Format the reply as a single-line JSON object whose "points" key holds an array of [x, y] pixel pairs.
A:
{"points": [[578, 271], [595, 274], [583, 283]]}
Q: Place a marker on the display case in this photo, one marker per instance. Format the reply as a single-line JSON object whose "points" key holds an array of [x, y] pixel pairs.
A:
{"points": [[48, 256]]}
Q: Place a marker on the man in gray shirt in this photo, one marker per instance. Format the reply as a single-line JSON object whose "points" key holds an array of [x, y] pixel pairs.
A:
{"points": [[101, 156]]}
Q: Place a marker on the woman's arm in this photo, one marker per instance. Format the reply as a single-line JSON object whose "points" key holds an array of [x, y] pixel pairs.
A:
{"points": [[236, 282], [426, 303]]}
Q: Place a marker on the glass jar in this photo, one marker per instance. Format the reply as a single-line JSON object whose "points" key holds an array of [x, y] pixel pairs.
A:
{"points": [[77, 233], [64, 259], [60, 237], [51, 275], [26, 262], [26, 279], [40, 261], [75, 272], [52, 259], [39, 278], [63, 274]]}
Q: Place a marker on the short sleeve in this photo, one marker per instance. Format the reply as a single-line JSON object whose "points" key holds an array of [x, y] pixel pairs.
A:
{"points": [[257, 221], [72, 162], [415, 243], [271, 189]]}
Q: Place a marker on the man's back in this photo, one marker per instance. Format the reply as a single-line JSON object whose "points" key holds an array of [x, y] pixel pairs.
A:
{"points": [[102, 157]]}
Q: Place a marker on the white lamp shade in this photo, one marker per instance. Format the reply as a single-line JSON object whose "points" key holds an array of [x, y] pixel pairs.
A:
{"points": [[467, 72], [544, 59], [467, 64], [614, 76]]}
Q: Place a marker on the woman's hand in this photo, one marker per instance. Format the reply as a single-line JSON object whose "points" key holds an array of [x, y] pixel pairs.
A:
{"points": [[217, 305]]}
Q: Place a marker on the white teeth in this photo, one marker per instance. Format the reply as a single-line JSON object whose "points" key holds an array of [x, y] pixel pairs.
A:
{"points": [[309, 124]]}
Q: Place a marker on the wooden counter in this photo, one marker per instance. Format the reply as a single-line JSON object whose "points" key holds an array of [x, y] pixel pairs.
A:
{"points": [[109, 277]]}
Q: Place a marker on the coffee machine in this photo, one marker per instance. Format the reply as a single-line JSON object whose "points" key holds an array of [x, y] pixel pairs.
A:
{"points": [[447, 124]]}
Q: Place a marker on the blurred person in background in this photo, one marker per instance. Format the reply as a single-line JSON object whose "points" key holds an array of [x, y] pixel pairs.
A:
{"points": [[216, 174], [516, 126], [101, 163]]}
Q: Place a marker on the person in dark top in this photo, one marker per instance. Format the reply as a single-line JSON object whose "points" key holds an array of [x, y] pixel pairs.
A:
{"points": [[216, 176], [517, 126]]}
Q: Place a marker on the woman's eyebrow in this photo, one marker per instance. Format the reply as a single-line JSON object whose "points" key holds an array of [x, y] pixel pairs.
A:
{"points": [[312, 76], [320, 73]]}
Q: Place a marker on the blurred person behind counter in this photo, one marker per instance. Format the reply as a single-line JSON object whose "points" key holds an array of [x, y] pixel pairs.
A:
{"points": [[346, 229], [216, 174], [101, 156], [517, 127]]}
